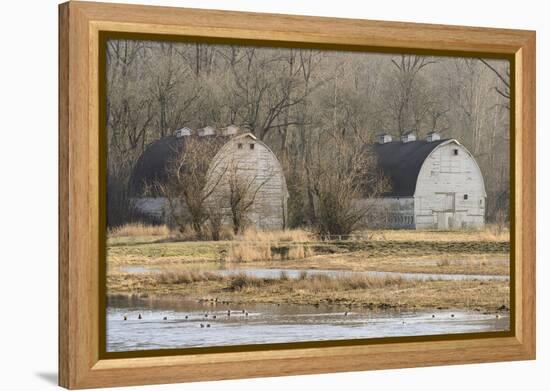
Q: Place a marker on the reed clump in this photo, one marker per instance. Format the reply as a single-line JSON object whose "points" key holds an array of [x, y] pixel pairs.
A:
{"points": [[250, 252], [267, 251], [256, 245]]}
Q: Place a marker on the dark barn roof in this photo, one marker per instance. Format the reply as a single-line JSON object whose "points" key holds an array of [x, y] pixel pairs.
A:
{"points": [[401, 162], [152, 165]]}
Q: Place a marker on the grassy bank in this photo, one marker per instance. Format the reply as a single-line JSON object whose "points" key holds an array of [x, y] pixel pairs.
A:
{"points": [[383, 292]]}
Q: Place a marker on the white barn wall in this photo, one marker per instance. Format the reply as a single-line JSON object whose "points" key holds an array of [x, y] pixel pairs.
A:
{"points": [[261, 165], [442, 182]]}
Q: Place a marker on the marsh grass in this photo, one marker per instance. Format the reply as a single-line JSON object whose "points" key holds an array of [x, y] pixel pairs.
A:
{"points": [[321, 282], [250, 252], [300, 252], [267, 251], [312, 289], [305, 281], [139, 229], [187, 277], [256, 245]]}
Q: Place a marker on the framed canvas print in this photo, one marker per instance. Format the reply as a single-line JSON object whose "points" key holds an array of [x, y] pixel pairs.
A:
{"points": [[247, 195]]}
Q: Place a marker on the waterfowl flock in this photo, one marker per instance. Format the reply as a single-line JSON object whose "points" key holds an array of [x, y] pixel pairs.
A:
{"points": [[245, 313], [204, 316]]}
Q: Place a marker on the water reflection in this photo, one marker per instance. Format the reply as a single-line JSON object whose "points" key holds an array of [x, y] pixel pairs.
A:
{"points": [[272, 273]]}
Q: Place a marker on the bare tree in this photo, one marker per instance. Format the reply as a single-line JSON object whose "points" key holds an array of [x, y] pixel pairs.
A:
{"points": [[129, 115], [243, 186], [504, 79], [263, 87], [345, 175], [404, 95], [215, 221], [174, 90], [191, 180]]}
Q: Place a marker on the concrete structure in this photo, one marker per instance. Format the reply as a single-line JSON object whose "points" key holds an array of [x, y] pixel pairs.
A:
{"points": [[435, 184], [240, 158]]}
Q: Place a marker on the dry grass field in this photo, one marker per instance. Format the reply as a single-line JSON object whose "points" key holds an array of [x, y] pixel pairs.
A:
{"points": [[172, 264]]}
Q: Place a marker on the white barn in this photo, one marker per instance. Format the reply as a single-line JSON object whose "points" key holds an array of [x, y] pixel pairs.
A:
{"points": [[435, 184], [253, 161]]}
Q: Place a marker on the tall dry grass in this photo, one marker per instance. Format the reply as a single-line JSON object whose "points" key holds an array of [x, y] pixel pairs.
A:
{"points": [[290, 235], [255, 252], [186, 277], [300, 252], [305, 282], [140, 229], [257, 245], [185, 234], [322, 282], [250, 252]]}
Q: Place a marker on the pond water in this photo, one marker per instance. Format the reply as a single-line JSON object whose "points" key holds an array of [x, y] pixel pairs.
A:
{"points": [[270, 323], [296, 273], [272, 273]]}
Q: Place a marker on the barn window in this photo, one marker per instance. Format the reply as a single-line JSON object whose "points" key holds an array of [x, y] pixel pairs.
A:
{"points": [[465, 196], [251, 146], [455, 152], [240, 146]]}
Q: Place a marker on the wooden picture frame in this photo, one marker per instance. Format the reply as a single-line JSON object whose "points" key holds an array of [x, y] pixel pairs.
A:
{"points": [[81, 24]]}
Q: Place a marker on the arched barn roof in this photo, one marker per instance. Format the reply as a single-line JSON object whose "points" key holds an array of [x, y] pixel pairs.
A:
{"points": [[152, 164], [401, 162]]}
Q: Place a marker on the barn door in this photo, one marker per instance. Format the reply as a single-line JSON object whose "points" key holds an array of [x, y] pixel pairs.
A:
{"points": [[442, 221], [449, 202], [446, 216]]}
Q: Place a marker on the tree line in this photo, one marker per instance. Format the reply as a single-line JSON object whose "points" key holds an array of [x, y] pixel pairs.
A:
{"points": [[316, 109]]}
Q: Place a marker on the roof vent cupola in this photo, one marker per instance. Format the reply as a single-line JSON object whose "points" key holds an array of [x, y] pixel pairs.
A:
{"points": [[183, 132], [433, 136], [408, 137], [231, 130], [384, 138], [207, 131]]}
